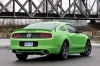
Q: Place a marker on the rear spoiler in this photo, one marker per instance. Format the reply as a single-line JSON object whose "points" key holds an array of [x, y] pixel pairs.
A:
{"points": [[33, 30]]}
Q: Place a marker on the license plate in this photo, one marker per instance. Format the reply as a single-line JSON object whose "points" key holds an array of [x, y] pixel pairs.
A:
{"points": [[28, 44]]}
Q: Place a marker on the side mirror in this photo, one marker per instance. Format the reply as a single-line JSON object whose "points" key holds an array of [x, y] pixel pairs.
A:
{"points": [[79, 31]]}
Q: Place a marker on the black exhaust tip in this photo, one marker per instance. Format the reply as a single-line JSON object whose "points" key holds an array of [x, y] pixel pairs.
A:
{"points": [[14, 51], [46, 52]]}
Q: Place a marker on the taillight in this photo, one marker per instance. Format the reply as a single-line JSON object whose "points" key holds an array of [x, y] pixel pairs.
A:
{"points": [[16, 35], [45, 35]]}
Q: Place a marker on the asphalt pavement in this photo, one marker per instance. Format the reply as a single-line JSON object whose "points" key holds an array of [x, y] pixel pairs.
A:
{"points": [[7, 58]]}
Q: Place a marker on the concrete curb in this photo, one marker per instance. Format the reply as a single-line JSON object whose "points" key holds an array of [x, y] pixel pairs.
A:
{"points": [[95, 44]]}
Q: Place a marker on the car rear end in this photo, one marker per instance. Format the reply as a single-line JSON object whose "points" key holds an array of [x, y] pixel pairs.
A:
{"points": [[34, 41]]}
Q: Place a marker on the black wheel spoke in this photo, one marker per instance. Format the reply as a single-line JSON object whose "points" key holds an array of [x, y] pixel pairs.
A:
{"points": [[88, 49], [64, 51]]}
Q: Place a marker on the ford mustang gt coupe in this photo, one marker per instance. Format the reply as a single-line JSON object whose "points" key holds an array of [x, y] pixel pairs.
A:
{"points": [[49, 38]]}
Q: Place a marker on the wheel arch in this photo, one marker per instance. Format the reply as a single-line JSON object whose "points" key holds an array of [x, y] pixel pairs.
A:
{"points": [[65, 38], [88, 40], [66, 41]]}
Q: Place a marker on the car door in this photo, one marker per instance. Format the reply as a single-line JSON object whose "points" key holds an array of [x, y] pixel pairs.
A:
{"points": [[75, 37]]}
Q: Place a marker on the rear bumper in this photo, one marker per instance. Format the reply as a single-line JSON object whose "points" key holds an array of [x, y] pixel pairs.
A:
{"points": [[44, 46], [36, 51]]}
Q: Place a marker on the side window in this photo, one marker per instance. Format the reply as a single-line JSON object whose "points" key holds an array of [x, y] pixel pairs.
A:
{"points": [[62, 28], [71, 29]]}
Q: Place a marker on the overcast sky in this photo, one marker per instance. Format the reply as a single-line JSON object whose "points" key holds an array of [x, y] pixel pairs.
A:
{"points": [[65, 3]]}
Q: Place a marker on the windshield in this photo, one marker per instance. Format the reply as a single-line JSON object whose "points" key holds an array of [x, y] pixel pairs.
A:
{"points": [[43, 25]]}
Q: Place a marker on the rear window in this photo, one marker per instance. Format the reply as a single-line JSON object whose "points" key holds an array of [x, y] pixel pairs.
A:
{"points": [[43, 25]]}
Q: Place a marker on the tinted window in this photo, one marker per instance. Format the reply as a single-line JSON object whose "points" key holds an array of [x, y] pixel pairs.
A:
{"points": [[44, 25], [62, 28], [71, 29]]}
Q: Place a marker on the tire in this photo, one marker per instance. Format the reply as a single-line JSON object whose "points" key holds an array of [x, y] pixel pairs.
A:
{"points": [[64, 51], [21, 56], [88, 49]]}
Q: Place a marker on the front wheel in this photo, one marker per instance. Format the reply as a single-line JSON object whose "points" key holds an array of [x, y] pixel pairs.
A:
{"points": [[21, 56], [64, 51], [88, 49]]}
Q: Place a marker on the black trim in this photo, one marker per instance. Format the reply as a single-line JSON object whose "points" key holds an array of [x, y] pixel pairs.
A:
{"points": [[79, 48], [35, 43]]}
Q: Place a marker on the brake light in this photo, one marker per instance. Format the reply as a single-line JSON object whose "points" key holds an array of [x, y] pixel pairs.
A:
{"points": [[16, 35], [45, 35]]}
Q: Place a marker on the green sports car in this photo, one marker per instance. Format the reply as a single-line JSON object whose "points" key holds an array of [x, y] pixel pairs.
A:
{"points": [[49, 38]]}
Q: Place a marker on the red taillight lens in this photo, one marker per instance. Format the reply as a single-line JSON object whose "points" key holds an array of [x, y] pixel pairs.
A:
{"points": [[16, 35], [45, 35]]}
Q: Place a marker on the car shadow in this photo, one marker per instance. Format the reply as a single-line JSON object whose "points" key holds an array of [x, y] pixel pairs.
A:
{"points": [[50, 59]]}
